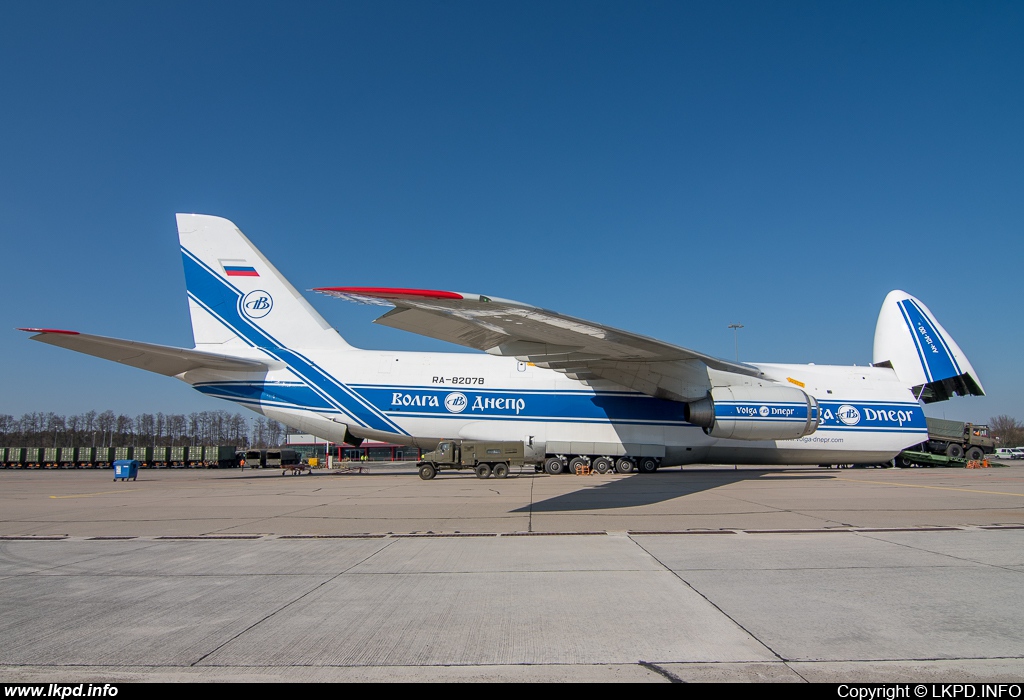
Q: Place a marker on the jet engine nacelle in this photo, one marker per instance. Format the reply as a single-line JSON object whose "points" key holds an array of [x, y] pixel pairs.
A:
{"points": [[755, 413]]}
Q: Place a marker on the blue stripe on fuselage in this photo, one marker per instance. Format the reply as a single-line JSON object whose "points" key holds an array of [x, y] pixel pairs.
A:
{"points": [[564, 406]]}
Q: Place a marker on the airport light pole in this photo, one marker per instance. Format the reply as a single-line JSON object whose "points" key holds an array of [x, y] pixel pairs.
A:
{"points": [[736, 337]]}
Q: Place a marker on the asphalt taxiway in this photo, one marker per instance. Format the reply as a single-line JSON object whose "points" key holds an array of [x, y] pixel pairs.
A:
{"points": [[698, 574]]}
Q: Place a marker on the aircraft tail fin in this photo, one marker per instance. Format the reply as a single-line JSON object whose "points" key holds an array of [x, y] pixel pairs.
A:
{"points": [[920, 351], [237, 298]]}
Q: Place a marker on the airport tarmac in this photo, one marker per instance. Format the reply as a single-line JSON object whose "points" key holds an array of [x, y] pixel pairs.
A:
{"points": [[696, 574]]}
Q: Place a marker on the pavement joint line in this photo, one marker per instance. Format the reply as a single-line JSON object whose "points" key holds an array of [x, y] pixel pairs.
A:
{"points": [[710, 602], [1000, 527], [451, 535], [550, 534], [681, 532], [330, 537], [446, 534], [209, 537], [918, 548], [797, 531], [926, 528], [289, 604]]}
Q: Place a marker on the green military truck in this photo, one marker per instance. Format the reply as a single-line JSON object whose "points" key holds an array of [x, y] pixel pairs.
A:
{"points": [[950, 443], [484, 458], [958, 440]]}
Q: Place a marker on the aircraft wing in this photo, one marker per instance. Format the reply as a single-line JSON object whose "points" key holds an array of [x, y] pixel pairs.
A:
{"points": [[162, 359], [580, 349]]}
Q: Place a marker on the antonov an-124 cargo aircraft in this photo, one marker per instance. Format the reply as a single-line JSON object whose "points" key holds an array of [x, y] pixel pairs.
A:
{"points": [[568, 389]]}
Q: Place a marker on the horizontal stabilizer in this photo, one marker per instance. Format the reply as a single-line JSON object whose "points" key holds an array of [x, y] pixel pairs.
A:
{"points": [[162, 359], [920, 351]]}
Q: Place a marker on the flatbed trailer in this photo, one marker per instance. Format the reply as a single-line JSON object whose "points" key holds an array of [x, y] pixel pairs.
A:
{"points": [[914, 458]]}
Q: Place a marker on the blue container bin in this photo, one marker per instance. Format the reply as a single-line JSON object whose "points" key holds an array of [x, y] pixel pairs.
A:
{"points": [[125, 469]]}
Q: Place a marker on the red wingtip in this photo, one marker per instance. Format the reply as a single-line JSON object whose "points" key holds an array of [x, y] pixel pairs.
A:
{"points": [[391, 292], [48, 330]]}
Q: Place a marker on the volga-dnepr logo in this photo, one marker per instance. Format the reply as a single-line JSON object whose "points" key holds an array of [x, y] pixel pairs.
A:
{"points": [[848, 414], [456, 402], [257, 303]]}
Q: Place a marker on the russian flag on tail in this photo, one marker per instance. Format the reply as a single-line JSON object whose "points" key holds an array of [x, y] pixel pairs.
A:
{"points": [[238, 268]]}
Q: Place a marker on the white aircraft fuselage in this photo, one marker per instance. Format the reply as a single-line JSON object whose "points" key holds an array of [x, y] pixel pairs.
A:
{"points": [[419, 397]]}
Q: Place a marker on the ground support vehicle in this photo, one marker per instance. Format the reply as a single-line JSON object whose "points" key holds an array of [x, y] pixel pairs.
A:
{"points": [[914, 458], [255, 459], [288, 461], [278, 458], [161, 456], [486, 458], [957, 440], [220, 456], [85, 457]]}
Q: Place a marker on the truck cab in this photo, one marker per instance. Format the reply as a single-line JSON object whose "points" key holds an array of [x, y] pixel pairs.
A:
{"points": [[444, 453]]}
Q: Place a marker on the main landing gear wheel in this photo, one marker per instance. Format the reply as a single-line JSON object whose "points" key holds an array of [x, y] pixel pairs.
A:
{"points": [[955, 451], [483, 471], [602, 465], [500, 471], [427, 472], [647, 465], [623, 465], [975, 453], [553, 465], [577, 463]]}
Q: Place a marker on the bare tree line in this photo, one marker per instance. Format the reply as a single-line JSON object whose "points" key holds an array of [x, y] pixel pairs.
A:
{"points": [[107, 429], [1008, 431]]}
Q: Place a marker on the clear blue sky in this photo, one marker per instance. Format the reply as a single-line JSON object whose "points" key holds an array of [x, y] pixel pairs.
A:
{"points": [[668, 168]]}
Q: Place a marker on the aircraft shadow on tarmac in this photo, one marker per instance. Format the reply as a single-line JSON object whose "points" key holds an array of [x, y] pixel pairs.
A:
{"points": [[647, 489], [626, 492]]}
